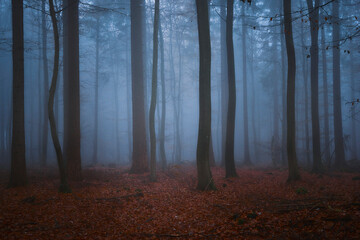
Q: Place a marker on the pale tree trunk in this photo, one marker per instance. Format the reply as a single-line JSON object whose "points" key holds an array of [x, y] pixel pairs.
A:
{"points": [[18, 163], [205, 180], [96, 111], [64, 187], [247, 160], [72, 156], [163, 102], [154, 95], [230, 125], [340, 162], [291, 145], [46, 85]]}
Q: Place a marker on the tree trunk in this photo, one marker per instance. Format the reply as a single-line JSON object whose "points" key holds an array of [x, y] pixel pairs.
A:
{"points": [[314, 53], [291, 146], [128, 97], [18, 163], [46, 85], [154, 95], [283, 94], [64, 187], [247, 160], [230, 126], [326, 100], [340, 162], [72, 156], [205, 180], [163, 102], [223, 79], [96, 111], [353, 112], [305, 76], [139, 155]]}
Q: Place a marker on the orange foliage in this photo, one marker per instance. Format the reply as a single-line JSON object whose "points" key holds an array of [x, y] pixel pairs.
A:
{"points": [[112, 204]]}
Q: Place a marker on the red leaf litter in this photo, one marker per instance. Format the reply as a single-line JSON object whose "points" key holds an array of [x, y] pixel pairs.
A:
{"points": [[110, 203]]}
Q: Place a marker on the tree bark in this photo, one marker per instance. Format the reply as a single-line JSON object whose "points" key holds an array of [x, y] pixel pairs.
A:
{"points": [[230, 126], [340, 162], [163, 102], [205, 180], [64, 187], [18, 162], [72, 156], [139, 155], [247, 160], [291, 145], [154, 95]]}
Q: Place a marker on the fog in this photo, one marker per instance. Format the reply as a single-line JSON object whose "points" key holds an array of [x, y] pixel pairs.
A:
{"points": [[105, 29]]}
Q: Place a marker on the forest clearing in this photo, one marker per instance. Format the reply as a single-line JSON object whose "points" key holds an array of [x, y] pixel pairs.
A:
{"points": [[110, 203]]}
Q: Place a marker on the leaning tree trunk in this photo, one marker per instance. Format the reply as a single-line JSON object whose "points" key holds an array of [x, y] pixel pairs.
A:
{"points": [[340, 162], [291, 146], [64, 187], [230, 126], [154, 95], [314, 53], [205, 180], [18, 163]]}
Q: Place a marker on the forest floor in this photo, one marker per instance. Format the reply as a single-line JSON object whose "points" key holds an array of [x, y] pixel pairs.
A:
{"points": [[110, 203]]}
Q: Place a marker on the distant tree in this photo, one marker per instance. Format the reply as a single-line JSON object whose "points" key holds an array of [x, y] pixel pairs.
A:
{"points": [[64, 187], [18, 163], [230, 126], [205, 180], [139, 154], [291, 146], [96, 111], [71, 76], [46, 84], [314, 53], [340, 162], [154, 95]]}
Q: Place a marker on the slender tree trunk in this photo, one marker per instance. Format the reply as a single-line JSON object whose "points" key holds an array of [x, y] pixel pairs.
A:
{"points": [[96, 111], [291, 145], [64, 187], [326, 99], [283, 94], [224, 79], [46, 85], [72, 156], [40, 108], [163, 102], [128, 97], [314, 53], [154, 95], [253, 103], [18, 163], [340, 162], [305, 76], [247, 160], [353, 98], [205, 180], [230, 125], [139, 156]]}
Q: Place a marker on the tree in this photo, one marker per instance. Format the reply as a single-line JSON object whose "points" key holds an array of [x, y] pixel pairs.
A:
{"points": [[205, 180], [154, 95], [163, 102], [291, 146], [18, 163], [64, 187], [247, 160], [338, 130], [139, 155], [230, 126], [71, 144], [46, 84], [314, 53], [96, 111]]}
